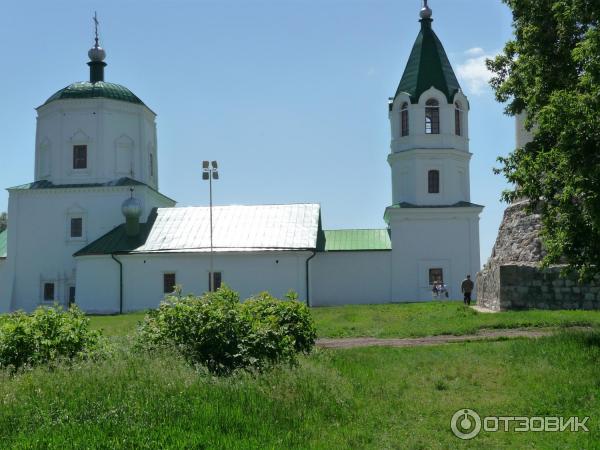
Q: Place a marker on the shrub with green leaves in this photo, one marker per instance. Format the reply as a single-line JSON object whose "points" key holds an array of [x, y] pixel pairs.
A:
{"points": [[48, 335], [222, 334], [292, 317]]}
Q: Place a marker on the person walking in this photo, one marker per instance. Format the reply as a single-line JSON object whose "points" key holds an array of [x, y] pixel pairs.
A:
{"points": [[467, 288]]}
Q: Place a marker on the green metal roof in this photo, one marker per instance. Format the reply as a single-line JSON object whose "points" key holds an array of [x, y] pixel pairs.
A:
{"points": [[45, 184], [428, 66], [117, 241], [99, 89], [357, 240], [3, 243], [405, 205]]}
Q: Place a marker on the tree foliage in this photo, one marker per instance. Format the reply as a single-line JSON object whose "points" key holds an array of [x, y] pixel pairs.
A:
{"points": [[3, 221], [551, 69]]}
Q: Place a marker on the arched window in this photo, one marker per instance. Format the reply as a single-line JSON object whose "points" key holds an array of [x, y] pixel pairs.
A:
{"points": [[404, 118], [433, 181], [458, 119], [432, 117]]}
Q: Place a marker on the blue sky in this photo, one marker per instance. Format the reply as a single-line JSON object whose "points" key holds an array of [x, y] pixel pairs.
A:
{"points": [[290, 96]]}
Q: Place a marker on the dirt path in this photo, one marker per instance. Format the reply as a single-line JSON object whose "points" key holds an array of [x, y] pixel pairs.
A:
{"points": [[442, 339]]}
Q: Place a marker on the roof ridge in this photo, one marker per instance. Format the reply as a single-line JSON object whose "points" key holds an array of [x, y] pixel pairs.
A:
{"points": [[257, 204], [357, 229]]}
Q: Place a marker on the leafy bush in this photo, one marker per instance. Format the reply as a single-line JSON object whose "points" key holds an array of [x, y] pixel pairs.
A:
{"points": [[47, 335], [222, 334], [291, 316]]}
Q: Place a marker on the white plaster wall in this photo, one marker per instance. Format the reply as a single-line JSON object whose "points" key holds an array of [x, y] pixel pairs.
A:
{"points": [[424, 239], [39, 246], [410, 176], [110, 129], [5, 285], [248, 273], [343, 278], [416, 123], [98, 285]]}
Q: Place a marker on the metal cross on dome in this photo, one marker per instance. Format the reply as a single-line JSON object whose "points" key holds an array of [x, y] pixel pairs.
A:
{"points": [[96, 23]]}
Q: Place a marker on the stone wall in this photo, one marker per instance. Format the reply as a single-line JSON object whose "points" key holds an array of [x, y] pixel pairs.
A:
{"points": [[520, 286], [512, 277]]}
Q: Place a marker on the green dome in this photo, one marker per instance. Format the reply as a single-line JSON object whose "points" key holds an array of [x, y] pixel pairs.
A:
{"points": [[99, 89]]}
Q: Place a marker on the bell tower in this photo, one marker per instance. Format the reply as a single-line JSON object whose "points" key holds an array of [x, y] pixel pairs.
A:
{"points": [[435, 227], [428, 115]]}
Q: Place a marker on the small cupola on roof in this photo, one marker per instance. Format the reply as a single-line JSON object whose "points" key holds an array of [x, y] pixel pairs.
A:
{"points": [[97, 56], [428, 65], [96, 87]]}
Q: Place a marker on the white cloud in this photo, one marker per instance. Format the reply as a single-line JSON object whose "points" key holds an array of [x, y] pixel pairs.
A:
{"points": [[474, 52], [473, 72]]}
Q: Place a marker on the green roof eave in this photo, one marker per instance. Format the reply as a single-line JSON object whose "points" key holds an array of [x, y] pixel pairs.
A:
{"points": [[117, 241], [405, 205], [121, 182], [3, 244], [357, 240], [428, 66]]}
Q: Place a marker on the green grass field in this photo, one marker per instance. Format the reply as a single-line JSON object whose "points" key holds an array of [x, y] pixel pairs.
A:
{"points": [[373, 398], [360, 398], [403, 320]]}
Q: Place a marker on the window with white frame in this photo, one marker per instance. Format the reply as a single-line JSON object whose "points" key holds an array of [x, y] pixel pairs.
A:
{"points": [[169, 282], [80, 155], [75, 223], [218, 278], [433, 181], [49, 291], [436, 276], [432, 117], [404, 119], [458, 119], [76, 227]]}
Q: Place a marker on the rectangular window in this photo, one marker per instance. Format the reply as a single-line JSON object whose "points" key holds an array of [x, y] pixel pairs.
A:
{"points": [[404, 114], [76, 227], [432, 120], [169, 282], [48, 292], [217, 281], [457, 124], [433, 182], [436, 276], [151, 165], [71, 295], [80, 157]]}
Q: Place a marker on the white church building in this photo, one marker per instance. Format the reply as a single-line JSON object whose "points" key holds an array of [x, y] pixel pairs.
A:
{"points": [[94, 229]]}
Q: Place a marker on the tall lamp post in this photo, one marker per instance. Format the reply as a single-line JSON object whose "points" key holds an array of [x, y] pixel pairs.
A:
{"points": [[210, 172]]}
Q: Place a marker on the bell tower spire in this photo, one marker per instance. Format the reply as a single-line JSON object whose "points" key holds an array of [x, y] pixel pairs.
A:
{"points": [[426, 12], [97, 56]]}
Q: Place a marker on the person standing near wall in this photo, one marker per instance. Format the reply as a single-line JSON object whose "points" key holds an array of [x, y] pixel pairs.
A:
{"points": [[467, 288]]}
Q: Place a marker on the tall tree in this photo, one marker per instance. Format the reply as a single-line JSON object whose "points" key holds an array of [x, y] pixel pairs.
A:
{"points": [[3, 221], [551, 69]]}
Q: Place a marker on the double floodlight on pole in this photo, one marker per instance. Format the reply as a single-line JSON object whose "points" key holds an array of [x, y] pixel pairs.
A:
{"points": [[210, 172]]}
